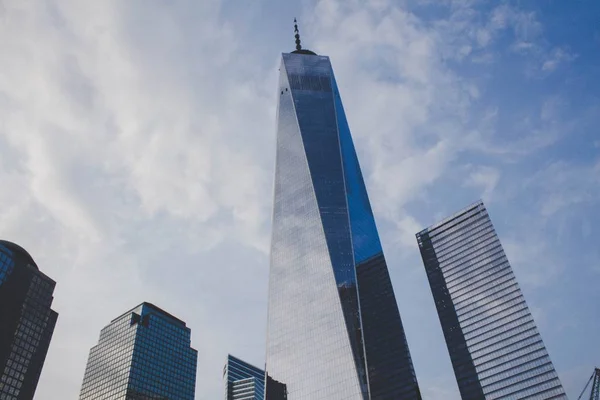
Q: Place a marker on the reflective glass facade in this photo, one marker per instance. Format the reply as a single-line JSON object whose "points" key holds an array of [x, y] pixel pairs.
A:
{"points": [[26, 322], [144, 354], [334, 330], [243, 381], [495, 347]]}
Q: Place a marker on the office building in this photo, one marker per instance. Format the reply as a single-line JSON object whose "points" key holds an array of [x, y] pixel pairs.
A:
{"points": [[243, 381], [26, 322], [144, 354], [494, 344], [334, 329]]}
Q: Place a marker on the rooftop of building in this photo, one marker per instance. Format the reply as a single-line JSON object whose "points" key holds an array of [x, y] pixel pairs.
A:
{"points": [[15, 248], [154, 308], [437, 225]]}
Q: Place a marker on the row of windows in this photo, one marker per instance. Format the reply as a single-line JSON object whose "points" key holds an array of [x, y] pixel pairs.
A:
{"points": [[502, 382], [491, 297], [490, 309], [446, 225], [509, 332], [456, 269], [485, 306], [469, 293], [466, 233], [459, 256], [518, 369], [527, 388], [525, 355], [497, 343], [497, 318], [479, 277], [493, 354]]}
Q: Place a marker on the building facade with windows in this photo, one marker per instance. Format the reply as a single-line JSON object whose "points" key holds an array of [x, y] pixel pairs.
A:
{"points": [[26, 322], [144, 354], [495, 347], [243, 381], [334, 329]]}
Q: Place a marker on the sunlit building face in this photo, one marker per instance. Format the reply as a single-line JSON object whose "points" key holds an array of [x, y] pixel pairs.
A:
{"points": [[495, 347], [334, 330]]}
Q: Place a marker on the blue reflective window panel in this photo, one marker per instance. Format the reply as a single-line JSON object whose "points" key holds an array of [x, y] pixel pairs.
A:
{"points": [[243, 381], [143, 354], [334, 326]]}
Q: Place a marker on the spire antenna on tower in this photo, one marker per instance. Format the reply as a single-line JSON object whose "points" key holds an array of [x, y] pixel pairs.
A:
{"points": [[297, 35]]}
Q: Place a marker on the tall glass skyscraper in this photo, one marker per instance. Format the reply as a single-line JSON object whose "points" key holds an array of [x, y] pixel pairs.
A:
{"points": [[26, 322], [243, 381], [334, 330], [144, 354], [495, 347]]}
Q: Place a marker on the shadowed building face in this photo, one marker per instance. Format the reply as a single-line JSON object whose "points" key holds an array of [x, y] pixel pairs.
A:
{"points": [[26, 322]]}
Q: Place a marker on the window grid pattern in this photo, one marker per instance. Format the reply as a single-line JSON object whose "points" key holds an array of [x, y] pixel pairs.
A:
{"points": [[26, 323], [7, 263], [243, 381], [143, 354], [334, 329], [308, 346], [495, 348]]}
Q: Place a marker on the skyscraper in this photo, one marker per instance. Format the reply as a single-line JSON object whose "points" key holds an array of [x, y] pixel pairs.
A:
{"points": [[26, 322], [334, 330], [144, 354], [243, 381], [495, 347]]}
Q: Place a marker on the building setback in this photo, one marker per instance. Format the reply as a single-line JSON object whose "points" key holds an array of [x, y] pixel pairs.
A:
{"points": [[26, 322], [144, 354], [243, 381], [494, 345], [334, 329]]}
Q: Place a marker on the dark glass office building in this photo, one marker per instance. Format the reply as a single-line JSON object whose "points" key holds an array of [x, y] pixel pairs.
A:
{"points": [[334, 330], [495, 347], [243, 381], [26, 322], [144, 354]]}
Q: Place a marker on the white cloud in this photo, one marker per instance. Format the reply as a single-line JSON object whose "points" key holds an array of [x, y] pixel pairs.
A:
{"points": [[130, 139], [485, 178], [564, 185], [136, 156], [556, 57]]}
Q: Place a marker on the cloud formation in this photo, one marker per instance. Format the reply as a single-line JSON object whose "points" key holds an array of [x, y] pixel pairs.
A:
{"points": [[137, 154]]}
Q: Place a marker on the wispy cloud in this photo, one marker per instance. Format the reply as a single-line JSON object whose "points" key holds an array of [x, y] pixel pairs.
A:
{"points": [[557, 57], [137, 153]]}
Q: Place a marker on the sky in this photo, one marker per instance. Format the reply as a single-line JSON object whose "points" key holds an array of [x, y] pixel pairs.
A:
{"points": [[137, 143]]}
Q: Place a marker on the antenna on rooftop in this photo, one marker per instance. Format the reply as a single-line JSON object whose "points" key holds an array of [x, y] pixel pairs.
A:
{"points": [[297, 35]]}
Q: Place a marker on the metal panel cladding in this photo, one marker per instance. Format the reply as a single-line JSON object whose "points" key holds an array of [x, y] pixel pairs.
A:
{"points": [[334, 330], [494, 345]]}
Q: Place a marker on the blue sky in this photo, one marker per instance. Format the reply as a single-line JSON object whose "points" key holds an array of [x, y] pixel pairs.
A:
{"points": [[137, 154]]}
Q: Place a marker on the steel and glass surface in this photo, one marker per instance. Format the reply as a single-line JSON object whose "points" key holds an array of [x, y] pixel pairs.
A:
{"points": [[495, 347], [243, 381], [26, 322], [144, 354], [334, 330]]}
